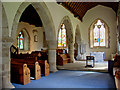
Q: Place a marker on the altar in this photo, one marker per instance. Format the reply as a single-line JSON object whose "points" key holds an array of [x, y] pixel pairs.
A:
{"points": [[99, 56]]}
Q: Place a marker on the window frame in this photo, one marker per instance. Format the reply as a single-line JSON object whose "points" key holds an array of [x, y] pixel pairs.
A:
{"points": [[91, 35], [19, 40], [62, 47]]}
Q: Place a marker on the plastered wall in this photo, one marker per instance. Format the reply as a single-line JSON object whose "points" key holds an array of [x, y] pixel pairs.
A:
{"points": [[109, 17]]}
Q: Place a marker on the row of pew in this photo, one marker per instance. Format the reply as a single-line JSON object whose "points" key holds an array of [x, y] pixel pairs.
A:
{"points": [[62, 57], [24, 66]]}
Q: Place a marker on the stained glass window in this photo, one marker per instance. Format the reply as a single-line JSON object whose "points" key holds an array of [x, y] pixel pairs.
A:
{"points": [[62, 37], [99, 34], [20, 39]]}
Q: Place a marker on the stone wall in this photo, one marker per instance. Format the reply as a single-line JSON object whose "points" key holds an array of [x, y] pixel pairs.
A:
{"points": [[31, 31]]}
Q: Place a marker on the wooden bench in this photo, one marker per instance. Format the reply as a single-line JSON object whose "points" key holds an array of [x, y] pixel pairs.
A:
{"points": [[37, 55], [62, 59], [20, 73], [44, 67], [43, 63], [44, 55], [32, 64]]}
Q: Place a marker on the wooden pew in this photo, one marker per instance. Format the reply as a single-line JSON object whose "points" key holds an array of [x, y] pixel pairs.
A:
{"points": [[44, 67], [37, 57], [62, 59], [43, 63], [32, 64], [44, 55], [20, 73], [68, 57]]}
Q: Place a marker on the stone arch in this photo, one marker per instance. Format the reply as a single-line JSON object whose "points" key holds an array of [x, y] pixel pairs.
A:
{"points": [[69, 30], [48, 26], [69, 34], [44, 14]]}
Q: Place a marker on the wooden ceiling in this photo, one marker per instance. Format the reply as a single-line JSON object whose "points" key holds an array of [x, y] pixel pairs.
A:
{"points": [[80, 8]]}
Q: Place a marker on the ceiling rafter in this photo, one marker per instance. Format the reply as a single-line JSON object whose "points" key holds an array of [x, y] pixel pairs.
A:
{"points": [[79, 9]]}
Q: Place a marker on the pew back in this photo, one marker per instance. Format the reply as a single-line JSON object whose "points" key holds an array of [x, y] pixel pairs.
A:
{"points": [[62, 59], [32, 64], [20, 73]]}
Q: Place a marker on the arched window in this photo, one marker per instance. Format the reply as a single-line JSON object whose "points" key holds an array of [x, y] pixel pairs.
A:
{"points": [[20, 40], [62, 37], [98, 34]]}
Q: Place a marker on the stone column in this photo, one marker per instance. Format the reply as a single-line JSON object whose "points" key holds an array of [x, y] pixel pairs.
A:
{"points": [[1, 66], [0, 46], [78, 48], [52, 45], [79, 55], [71, 52], [118, 31], [6, 43]]}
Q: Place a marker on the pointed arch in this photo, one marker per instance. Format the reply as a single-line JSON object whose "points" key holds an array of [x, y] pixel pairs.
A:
{"points": [[62, 40], [44, 14], [26, 39], [69, 30], [99, 34]]}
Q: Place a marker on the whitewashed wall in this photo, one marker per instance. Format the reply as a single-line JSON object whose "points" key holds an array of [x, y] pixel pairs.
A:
{"points": [[109, 16]]}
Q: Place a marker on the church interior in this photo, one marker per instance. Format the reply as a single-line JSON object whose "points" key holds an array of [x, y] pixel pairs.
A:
{"points": [[60, 44]]}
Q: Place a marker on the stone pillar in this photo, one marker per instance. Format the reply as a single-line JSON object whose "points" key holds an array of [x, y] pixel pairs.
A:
{"points": [[0, 46], [52, 45], [79, 54], [118, 31], [78, 48], [6, 43], [1, 66], [71, 52]]}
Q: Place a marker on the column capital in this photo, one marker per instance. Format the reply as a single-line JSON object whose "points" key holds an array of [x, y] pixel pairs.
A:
{"points": [[6, 42]]}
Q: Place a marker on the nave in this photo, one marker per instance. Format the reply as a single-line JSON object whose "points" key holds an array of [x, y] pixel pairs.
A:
{"points": [[65, 37]]}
